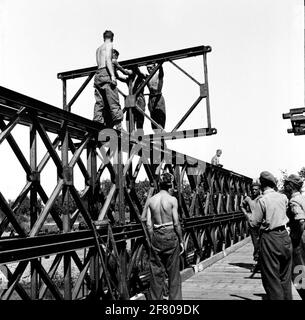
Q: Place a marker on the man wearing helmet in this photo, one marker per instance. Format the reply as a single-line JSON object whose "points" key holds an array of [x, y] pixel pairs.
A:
{"points": [[166, 239]]}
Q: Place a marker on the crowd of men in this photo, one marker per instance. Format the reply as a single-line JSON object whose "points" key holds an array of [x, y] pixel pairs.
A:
{"points": [[276, 221]]}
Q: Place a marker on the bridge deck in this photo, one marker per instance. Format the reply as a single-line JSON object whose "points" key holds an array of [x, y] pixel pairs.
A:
{"points": [[228, 279]]}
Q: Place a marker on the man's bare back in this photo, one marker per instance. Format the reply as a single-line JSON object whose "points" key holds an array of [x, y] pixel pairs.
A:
{"points": [[104, 58], [162, 209], [101, 55], [161, 206]]}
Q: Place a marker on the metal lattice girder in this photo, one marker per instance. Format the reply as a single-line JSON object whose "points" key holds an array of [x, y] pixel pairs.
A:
{"points": [[112, 261]]}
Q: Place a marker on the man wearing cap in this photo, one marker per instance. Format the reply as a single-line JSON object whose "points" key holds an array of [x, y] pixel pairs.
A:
{"points": [[106, 93], [166, 239], [275, 243], [251, 203], [156, 102], [296, 213]]}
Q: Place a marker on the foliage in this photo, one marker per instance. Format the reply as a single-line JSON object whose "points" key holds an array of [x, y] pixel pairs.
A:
{"points": [[302, 173], [142, 188]]}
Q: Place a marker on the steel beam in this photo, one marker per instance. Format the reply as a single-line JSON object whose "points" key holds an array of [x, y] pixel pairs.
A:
{"points": [[161, 57]]}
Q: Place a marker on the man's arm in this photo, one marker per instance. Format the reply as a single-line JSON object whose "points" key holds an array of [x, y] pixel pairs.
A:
{"points": [[243, 208], [149, 223], [295, 208], [176, 222], [161, 73], [109, 65], [119, 67]]}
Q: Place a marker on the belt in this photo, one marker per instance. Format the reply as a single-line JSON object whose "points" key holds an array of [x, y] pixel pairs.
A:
{"points": [[280, 228], [164, 225]]}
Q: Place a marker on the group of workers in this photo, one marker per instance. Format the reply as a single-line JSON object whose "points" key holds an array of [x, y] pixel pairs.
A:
{"points": [[107, 109], [277, 220], [276, 223]]}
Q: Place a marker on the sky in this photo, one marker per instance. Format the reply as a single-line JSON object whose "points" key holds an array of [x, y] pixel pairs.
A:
{"points": [[255, 70]]}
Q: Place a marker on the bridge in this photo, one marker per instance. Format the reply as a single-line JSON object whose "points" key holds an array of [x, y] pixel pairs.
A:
{"points": [[108, 258]]}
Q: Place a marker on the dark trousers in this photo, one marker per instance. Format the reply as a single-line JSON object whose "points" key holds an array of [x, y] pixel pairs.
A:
{"points": [[255, 233], [297, 235], [156, 107], [276, 264], [165, 258], [138, 116], [107, 109]]}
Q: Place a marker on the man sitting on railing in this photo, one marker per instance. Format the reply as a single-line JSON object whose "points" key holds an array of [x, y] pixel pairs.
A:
{"points": [[166, 240], [107, 109], [215, 159]]}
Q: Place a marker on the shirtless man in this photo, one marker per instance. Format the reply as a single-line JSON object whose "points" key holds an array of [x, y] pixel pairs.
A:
{"points": [[117, 67], [156, 102], [166, 240], [107, 109], [215, 159], [134, 82]]}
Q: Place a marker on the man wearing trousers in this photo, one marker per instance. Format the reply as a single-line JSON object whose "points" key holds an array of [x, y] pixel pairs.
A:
{"points": [[107, 109], [166, 240], [275, 243]]}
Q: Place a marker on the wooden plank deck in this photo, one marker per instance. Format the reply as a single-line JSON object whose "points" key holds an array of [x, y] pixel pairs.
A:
{"points": [[228, 279]]}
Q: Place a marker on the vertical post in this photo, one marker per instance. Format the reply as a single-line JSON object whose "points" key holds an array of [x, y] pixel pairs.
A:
{"points": [[65, 195], [122, 246], [131, 129], [33, 205], [92, 207], [205, 66]]}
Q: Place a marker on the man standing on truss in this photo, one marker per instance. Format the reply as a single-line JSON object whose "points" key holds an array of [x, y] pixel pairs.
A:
{"points": [[156, 102], [106, 92], [134, 80], [166, 240]]}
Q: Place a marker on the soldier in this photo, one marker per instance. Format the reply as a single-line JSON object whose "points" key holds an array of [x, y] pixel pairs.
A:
{"points": [[106, 92], [296, 214], [166, 240], [254, 231], [275, 243]]}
